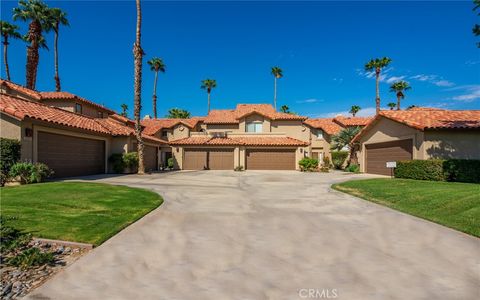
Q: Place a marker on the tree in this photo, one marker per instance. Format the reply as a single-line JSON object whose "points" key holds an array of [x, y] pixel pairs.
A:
{"points": [[208, 85], [411, 106], [285, 109], [476, 27], [177, 113], [137, 99], [344, 138], [277, 74], [56, 17], [399, 87], [124, 110], [391, 105], [354, 110], [36, 12], [377, 65], [156, 64], [8, 31]]}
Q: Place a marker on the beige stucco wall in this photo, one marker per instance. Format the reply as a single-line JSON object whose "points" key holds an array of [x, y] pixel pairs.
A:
{"points": [[222, 127], [69, 105], [386, 130], [4, 90], [452, 144], [10, 128]]}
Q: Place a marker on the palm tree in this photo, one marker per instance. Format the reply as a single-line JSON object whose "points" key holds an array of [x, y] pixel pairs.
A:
{"points": [[156, 64], [399, 87], [37, 13], [137, 99], [208, 85], [277, 74], [285, 109], [177, 113], [354, 110], [124, 109], [56, 18], [8, 31], [391, 105], [476, 27], [344, 138], [377, 65]]}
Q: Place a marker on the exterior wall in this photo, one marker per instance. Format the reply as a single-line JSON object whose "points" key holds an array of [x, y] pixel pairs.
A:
{"points": [[386, 130], [320, 145], [223, 127], [119, 144], [179, 131], [5, 90], [10, 128], [294, 129], [69, 105], [452, 144], [254, 118]]}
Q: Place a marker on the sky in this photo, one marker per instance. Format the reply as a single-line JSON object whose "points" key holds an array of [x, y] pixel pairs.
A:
{"points": [[321, 46]]}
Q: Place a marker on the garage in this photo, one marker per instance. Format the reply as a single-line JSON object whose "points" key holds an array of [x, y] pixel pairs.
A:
{"points": [[71, 156], [377, 155], [208, 159], [150, 158], [270, 159]]}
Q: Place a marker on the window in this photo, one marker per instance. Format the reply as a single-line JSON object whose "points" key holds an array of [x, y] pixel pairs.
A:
{"points": [[255, 127], [78, 108], [164, 133], [320, 134], [99, 114]]}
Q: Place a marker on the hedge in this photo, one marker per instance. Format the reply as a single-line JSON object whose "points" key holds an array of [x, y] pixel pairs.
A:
{"points": [[308, 164], [9, 154], [460, 170]]}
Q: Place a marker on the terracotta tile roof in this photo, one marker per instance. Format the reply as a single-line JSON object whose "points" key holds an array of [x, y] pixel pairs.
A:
{"points": [[326, 124], [152, 126], [352, 121], [70, 96], [429, 118], [239, 141], [228, 116], [21, 89]]}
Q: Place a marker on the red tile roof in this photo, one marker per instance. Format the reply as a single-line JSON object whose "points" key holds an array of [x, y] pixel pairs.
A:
{"points": [[152, 126], [242, 110], [429, 118], [352, 121], [239, 141], [21, 89], [70, 96], [326, 124]]}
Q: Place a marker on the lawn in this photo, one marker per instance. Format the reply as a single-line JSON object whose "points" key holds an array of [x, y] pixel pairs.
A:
{"points": [[452, 204], [75, 211]]}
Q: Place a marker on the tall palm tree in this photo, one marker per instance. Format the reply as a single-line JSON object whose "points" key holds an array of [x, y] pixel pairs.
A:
{"points": [[156, 64], [344, 138], [36, 12], [476, 27], [399, 87], [391, 105], [377, 65], [8, 31], [56, 18], [124, 109], [277, 74], [137, 99], [208, 85], [354, 110]]}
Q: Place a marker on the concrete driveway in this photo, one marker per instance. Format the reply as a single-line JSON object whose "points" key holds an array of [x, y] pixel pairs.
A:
{"points": [[270, 235]]}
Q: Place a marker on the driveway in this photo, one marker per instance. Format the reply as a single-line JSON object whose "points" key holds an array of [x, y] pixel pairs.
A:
{"points": [[270, 235]]}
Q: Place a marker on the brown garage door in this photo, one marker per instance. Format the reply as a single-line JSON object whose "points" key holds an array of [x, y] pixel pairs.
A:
{"points": [[208, 159], [378, 154], [150, 158], [270, 159], [71, 156], [220, 159]]}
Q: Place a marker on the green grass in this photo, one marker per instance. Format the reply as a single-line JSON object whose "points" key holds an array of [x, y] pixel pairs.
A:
{"points": [[452, 204], [75, 211]]}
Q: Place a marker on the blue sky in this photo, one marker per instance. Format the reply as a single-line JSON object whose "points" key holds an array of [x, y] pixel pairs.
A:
{"points": [[321, 46]]}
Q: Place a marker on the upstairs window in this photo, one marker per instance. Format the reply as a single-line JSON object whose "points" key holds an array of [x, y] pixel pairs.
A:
{"points": [[78, 108], [99, 114], [320, 134], [255, 127], [164, 133]]}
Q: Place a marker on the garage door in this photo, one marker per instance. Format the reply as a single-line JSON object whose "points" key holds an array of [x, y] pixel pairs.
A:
{"points": [[208, 159], [71, 156], [150, 158], [378, 154], [268, 159]]}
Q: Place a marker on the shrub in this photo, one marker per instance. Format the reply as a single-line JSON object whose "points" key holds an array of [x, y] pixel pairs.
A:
{"points": [[9, 155], [3, 178], [130, 159], [326, 165], [462, 170], [30, 173], [354, 168], [338, 158], [11, 238], [31, 257], [308, 164], [121, 161], [420, 170], [238, 168], [170, 163]]}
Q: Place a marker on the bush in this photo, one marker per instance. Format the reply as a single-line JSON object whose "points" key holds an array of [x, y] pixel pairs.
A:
{"points": [[170, 163], [462, 170], [31, 257], [130, 160], [9, 155], [338, 159], [354, 168], [420, 170], [120, 161], [30, 173], [308, 164], [238, 168], [11, 238]]}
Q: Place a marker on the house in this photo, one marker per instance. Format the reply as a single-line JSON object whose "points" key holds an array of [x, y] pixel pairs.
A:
{"points": [[418, 133], [72, 135]]}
